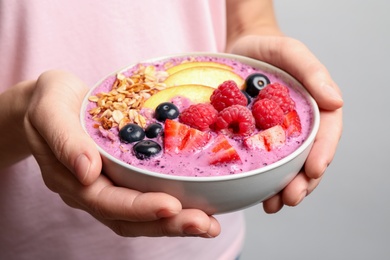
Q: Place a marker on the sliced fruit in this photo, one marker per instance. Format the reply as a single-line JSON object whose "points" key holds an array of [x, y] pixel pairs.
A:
{"points": [[195, 93], [190, 64], [292, 124], [195, 140], [179, 138], [174, 134], [255, 142], [268, 139], [207, 76], [223, 151]]}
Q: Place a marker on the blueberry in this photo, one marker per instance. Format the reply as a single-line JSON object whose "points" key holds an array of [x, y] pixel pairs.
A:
{"points": [[146, 148], [131, 133], [166, 110], [153, 130], [254, 83]]}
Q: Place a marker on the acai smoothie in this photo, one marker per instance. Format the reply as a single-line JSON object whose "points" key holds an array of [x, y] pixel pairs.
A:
{"points": [[197, 116]]}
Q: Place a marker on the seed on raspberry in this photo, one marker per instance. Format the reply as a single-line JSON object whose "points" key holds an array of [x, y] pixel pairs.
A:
{"points": [[227, 94], [235, 120], [267, 113], [200, 116], [280, 94], [275, 86]]}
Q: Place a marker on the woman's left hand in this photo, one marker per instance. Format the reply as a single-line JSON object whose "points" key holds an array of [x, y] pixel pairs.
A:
{"points": [[295, 58]]}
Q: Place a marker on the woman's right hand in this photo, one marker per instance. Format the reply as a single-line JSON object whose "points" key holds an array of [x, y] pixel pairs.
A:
{"points": [[71, 165]]}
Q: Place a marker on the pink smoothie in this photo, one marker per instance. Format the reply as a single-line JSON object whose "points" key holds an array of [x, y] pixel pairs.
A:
{"points": [[196, 164]]}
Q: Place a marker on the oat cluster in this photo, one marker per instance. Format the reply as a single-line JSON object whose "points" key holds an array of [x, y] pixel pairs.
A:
{"points": [[122, 104]]}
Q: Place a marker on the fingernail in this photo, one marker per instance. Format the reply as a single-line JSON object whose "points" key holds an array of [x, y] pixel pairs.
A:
{"points": [[331, 92], [82, 166]]}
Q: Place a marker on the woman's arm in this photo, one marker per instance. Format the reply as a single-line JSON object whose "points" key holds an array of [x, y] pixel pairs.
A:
{"points": [[13, 105], [250, 17]]}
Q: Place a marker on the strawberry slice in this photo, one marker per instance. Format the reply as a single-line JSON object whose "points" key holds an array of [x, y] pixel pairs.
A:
{"points": [[255, 142], [292, 124], [268, 139], [179, 137], [195, 140], [223, 152], [174, 134]]}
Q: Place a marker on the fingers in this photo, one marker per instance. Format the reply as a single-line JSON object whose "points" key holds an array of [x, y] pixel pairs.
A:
{"points": [[273, 204], [103, 200], [293, 194], [295, 58], [325, 143], [106, 201], [298, 189], [53, 119], [132, 213], [189, 222]]}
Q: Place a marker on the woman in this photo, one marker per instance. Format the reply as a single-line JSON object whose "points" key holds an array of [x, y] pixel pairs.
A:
{"points": [[41, 137]]}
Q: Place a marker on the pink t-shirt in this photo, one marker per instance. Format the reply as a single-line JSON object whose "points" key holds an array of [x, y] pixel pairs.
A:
{"points": [[92, 39]]}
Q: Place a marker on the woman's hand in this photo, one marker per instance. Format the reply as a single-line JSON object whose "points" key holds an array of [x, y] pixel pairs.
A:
{"points": [[293, 57], [71, 166]]}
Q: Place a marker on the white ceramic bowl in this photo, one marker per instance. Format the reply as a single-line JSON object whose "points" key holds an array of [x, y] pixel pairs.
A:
{"points": [[221, 194]]}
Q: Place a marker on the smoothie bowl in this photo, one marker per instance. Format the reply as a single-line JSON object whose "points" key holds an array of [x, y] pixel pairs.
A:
{"points": [[220, 132]]}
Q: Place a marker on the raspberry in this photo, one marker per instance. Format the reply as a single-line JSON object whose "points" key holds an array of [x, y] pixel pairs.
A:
{"points": [[199, 116], [235, 120], [227, 94], [280, 94], [275, 86], [267, 113]]}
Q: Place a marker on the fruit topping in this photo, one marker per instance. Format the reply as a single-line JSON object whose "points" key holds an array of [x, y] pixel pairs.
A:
{"points": [[268, 139], [275, 86], [280, 95], [191, 64], [254, 83], [227, 94], [195, 140], [200, 116], [131, 133], [235, 120], [179, 137], [223, 151], [292, 124], [267, 113], [153, 130], [202, 75], [166, 110], [193, 93], [146, 148], [174, 134]]}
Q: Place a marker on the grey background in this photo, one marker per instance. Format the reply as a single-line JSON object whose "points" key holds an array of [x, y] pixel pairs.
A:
{"points": [[348, 215]]}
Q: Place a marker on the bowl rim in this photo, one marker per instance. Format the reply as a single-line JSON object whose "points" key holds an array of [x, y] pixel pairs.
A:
{"points": [[247, 60]]}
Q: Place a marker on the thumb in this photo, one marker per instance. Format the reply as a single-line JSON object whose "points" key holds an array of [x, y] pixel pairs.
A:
{"points": [[54, 129], [296, 59]]}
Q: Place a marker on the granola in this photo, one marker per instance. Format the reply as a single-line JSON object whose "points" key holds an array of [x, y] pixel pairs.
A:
{"points": [[122, 104]]}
